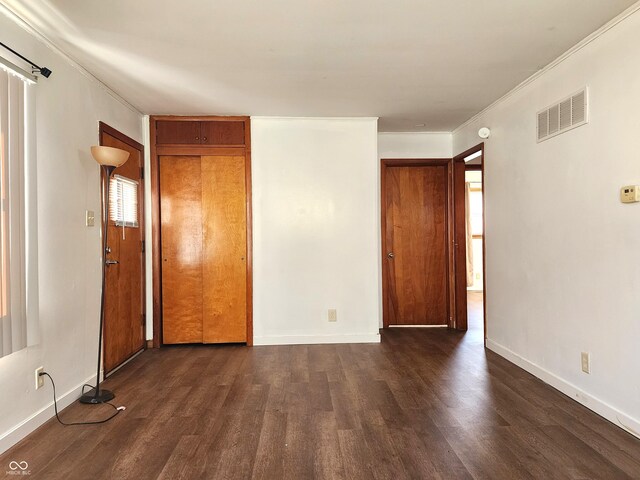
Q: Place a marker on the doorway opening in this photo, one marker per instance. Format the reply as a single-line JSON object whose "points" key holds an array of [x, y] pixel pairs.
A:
{"points": [[473, 160]]}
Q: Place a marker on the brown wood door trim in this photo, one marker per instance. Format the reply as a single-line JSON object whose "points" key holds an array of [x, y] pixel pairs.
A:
{"points": [[181, 150], [156, 240], [460, 244], [472, 168], [200, 118], [480, 148], [103, 129], [415, 162], [156, 268], [247, 170]]}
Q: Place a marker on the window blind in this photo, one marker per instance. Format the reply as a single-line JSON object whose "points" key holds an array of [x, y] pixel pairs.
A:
{"points": [[13, 322], [123, 201]]}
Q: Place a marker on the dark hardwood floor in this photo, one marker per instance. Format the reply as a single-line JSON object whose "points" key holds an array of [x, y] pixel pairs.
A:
{"points": [[425, 403]]}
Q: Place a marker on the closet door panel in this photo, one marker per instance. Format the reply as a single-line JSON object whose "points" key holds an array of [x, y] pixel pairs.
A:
{"points": [[182, 256], [178, 133], [222, 133], [224, 230]]}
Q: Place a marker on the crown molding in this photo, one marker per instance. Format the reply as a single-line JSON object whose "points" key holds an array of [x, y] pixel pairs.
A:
{"points": [[415, 133], [281, 117], [573, 50]]}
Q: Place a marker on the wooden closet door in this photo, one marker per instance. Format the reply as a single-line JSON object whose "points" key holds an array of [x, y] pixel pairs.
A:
{"points": [[181, 229], [224, 232]]}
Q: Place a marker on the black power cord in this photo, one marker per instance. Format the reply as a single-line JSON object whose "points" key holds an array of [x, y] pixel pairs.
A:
{"points": [[55, 406]]}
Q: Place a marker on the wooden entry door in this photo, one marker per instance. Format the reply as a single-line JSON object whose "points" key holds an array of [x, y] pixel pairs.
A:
{"points": [[204, 249], [124, 321], [416, 239]]}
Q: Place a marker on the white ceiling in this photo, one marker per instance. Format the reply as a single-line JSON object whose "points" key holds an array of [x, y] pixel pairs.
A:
{"points": [[410, 62]]}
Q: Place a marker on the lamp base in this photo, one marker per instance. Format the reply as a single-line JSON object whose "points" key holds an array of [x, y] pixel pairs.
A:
{"points": [[102, 397]]}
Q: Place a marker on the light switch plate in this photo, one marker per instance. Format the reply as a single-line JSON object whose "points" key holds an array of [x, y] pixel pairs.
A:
{"points": [[90, 218], [630, 194]]}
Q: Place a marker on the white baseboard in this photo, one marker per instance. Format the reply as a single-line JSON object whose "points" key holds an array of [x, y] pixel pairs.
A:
{"points": [[594, 404], [315, 339], [9, 438]]}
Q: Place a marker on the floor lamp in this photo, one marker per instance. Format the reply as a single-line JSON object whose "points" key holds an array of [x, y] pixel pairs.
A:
{"points": [[109, 159]]}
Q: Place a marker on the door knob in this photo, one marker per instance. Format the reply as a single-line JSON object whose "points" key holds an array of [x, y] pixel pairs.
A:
{"points": [[390, 255], [111, 262]]}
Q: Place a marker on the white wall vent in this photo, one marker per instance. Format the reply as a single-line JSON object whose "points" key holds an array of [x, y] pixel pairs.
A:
{"points": [[560, 117]]}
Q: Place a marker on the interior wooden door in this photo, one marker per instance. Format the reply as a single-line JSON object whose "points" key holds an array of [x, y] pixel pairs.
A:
{"points": [[224, 226], [417, 256], [181, 226], [124, 287]]}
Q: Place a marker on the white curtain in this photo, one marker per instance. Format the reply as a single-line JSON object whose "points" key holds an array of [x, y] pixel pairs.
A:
{"points": [[469, 232], [13, 144]]}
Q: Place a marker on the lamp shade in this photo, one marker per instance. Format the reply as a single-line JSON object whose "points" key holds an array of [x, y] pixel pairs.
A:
{"points": [[109, 156]]}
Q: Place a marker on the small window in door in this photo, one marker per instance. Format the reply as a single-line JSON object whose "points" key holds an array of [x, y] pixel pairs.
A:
{"points": [[123, 201]]}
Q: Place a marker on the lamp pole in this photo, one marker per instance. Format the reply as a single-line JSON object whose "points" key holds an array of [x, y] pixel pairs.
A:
{"points": [[109, 159], [97, 396]]}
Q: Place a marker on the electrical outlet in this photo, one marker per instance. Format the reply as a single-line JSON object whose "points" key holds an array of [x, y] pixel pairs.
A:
{"points": [[586, 362], [90, 218], [333, 315], [39, 378]]}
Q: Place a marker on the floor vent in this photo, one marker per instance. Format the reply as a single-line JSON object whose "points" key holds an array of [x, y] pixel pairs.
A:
{"points": [[560, 117]]}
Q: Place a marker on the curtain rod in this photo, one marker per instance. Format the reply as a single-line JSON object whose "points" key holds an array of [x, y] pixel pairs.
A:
{"points": [[16, 70], [44, 71]]}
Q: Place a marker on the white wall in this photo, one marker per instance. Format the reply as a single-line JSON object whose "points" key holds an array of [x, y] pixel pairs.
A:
{"points": [[563, 254], [414, 145], [69, 106], [315, 230]]}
